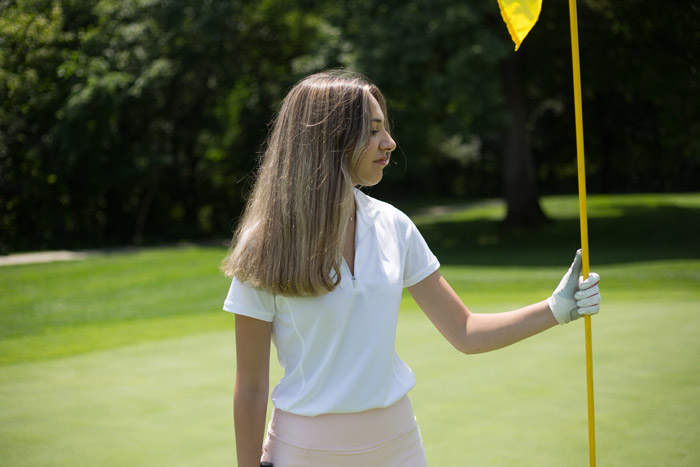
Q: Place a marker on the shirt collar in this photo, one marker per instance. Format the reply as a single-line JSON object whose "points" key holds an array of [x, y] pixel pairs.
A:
{"points": [[366, 213]]}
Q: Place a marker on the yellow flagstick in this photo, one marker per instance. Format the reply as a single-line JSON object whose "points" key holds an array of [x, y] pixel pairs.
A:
{"points": [[584, 222], [520, 16]]}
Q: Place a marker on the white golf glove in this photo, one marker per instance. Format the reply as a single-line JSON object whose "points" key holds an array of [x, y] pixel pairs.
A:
{"points": [[575, 297]]}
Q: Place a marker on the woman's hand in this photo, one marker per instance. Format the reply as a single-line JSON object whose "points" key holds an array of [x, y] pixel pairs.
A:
{"points": [[574, 296]]}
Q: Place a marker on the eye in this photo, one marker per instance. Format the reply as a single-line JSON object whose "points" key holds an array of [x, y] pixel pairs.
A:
{"points": [[374, 132]]}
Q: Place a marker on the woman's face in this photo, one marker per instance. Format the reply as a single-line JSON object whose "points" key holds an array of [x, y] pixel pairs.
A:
{"points": [[372, 162]]}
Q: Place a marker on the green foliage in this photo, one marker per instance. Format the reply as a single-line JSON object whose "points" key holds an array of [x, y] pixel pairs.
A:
{"points": [[439, 63], [639, 73], [139, 121], [119, 114]]}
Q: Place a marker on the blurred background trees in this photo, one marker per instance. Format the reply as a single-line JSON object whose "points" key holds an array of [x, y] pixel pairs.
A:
{"points": [[130, 121]]}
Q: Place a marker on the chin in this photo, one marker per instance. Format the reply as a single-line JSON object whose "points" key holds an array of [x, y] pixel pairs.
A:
{"points": [[369, 181]]}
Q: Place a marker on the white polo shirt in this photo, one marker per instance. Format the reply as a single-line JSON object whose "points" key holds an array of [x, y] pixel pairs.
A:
{"points": [[337, 349]]}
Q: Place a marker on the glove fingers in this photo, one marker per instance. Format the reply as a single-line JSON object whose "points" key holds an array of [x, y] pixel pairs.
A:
{"points": [[589, 310], [588, 301], [576, 265], [581, 294], [562, 302], [592, 279], [570, 282]]}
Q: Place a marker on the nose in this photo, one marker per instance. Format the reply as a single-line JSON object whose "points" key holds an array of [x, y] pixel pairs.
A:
{"points": [[388, 143]]}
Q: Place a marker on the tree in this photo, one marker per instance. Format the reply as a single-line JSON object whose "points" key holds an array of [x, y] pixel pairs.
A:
{"points": [[455, 89], [639, 71], [32, 46], [519, 176], [126, 121], [140, 120]]}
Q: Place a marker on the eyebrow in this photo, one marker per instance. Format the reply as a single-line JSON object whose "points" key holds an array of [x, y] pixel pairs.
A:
{"points": [[378, 120]]}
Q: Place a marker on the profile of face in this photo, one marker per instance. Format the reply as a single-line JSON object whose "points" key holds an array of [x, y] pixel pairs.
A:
{"points": [[375, 158]]}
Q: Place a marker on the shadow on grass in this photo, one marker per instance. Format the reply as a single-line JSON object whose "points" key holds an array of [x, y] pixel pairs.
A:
{"points": [[637, 233]]}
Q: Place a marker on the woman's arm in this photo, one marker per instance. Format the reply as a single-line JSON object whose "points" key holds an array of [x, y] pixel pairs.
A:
{"points": [[251, 388], [475, 333]]}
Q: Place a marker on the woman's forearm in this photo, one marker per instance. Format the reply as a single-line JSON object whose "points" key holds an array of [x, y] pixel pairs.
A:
{"points": [[249, 411], [473, 332], [486, 332], [250, 392]]}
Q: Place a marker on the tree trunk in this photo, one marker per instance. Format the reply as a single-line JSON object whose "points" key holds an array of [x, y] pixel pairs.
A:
{"points": [[147, 202], [519, 180]]}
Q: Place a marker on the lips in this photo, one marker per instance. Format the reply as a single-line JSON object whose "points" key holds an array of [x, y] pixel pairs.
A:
{"points": [[382, 160]]}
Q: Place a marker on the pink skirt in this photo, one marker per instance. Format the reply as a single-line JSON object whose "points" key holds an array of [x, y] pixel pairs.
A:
{"points": [[378, 437]]}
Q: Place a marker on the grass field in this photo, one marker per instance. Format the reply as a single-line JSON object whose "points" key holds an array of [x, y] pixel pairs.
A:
{"points": [[126, 359]]}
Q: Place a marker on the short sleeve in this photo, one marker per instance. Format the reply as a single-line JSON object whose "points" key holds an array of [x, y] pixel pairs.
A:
{"points": [[420, 261], [245, 300]]}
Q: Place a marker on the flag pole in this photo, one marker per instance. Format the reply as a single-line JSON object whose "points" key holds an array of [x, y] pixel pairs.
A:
{"points": [[584, 223]]}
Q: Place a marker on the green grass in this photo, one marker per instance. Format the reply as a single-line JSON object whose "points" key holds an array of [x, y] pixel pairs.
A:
{"points": [[61, 309], [126, 359]]}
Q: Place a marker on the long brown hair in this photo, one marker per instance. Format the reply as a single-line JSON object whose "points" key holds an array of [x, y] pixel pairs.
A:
{"points": [[290, 237]]}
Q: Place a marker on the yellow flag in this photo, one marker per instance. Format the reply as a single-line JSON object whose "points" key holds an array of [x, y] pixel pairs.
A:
{"points": [[520, 16]]}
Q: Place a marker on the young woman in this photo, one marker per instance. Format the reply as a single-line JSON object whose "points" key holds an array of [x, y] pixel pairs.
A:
{"points": [[318, 268]]}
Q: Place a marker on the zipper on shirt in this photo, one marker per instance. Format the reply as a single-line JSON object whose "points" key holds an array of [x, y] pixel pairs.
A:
{"points": [[352, 276]]}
